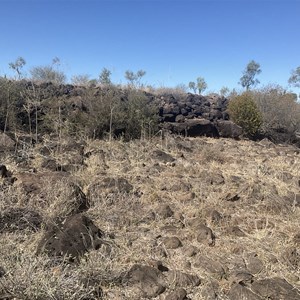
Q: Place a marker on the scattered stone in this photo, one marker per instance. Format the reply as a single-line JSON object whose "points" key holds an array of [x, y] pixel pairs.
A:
{"points": [[211, 266], [170, 229], [235, 231], [196, 222], [205, 235], [110, 185], [72, 238], [209, 291], [162, 156], [232, 197], [179, 294], [215, 216], [228, 129], [147, 280], [253, 263], [275, 288], [213, 178], [183, 280], [164, 211], [158, 265], [172, 242], [3, 171], [190, 251], [243, 277], [238, 292], [19, 218], [2, 272]]}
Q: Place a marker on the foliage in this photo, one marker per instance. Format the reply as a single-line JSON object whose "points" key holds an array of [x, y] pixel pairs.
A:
{"points": [[224, 91], [200, 85], [295, 78], [248, 79], [244, 111], [104, 77], [81, 80], [140, 116], [48, 73], [134, 78], [113, 114], [192, 86], [17, 66], [11, 104], [280, 112]]}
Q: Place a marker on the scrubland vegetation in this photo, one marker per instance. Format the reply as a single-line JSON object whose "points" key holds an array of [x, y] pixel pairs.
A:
{"points": [[99, 201]]}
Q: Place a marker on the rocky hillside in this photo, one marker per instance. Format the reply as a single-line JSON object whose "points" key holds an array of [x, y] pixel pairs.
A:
{"points": [[47, 108], [174, 218]]}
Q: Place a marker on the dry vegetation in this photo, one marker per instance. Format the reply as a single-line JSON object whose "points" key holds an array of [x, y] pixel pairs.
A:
{"points": [[246, 192]]}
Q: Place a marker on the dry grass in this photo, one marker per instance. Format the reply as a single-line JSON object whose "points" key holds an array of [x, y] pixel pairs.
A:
{"points": [[190, 185]]}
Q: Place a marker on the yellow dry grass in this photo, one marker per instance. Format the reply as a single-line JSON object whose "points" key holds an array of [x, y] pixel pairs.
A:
{"points": [[264, 178]]}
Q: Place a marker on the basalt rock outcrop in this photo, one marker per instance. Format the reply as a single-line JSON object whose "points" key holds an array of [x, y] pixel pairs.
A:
{"points": [[196, 115]]}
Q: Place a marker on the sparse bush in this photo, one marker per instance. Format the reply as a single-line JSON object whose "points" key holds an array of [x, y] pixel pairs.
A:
{"points": [[48, 73], [280, 112], [244, 111]]}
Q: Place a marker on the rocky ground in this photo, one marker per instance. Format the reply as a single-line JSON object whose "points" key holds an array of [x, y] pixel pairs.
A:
{"points": [[178, 218]]}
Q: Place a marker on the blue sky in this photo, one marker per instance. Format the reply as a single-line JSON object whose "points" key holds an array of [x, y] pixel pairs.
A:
{"points": [[173, 41]]}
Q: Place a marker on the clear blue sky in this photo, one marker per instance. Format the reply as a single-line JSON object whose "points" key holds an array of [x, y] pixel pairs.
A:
{"points": [[173, 41]]}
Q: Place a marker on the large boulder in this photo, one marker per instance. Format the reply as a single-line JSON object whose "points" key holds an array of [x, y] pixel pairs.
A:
{"points": [[229, 129], [193, 128], [71, 238]]}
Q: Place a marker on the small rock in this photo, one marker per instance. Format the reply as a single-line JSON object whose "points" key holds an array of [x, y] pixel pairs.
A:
{"points": [[205, 235], [190, 251], [235, 231], [253, 263], [172, 242], [241, 276], [232, 197], [3, 171], [162, 156], [215, 216], [146, 279], [179, 294], [183, 280], [2, 272], [211, 266], [238, 292], [275, 288], [209, 292], [164, 211]]}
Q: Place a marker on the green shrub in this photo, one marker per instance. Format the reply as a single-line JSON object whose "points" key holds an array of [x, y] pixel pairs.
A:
{"points": [[244, 111]]}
